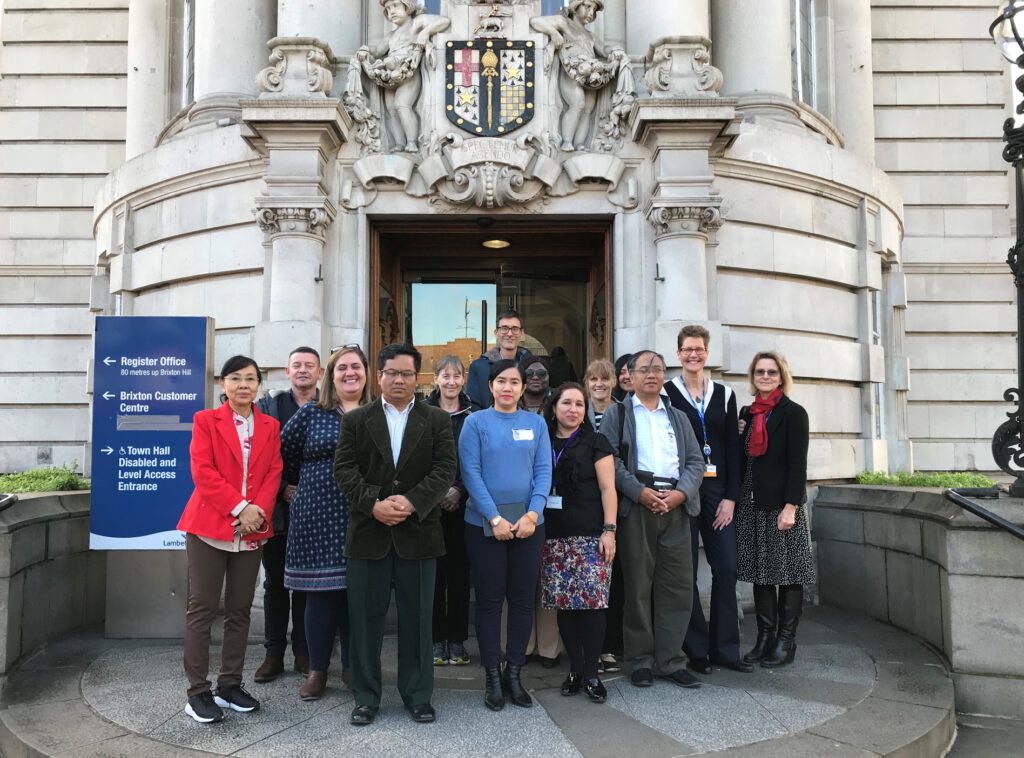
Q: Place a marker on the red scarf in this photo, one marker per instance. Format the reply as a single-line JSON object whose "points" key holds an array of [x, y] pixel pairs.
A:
{"points": [[759, 410]]}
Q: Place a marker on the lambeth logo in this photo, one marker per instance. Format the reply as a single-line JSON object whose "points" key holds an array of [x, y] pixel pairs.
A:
{"points": [[489, 85]]}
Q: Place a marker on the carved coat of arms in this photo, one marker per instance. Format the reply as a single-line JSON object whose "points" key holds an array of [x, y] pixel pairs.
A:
{"points": [[489, 85]]}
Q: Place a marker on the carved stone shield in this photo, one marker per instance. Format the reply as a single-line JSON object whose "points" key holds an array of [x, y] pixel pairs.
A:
{"points": [[489, 85]]}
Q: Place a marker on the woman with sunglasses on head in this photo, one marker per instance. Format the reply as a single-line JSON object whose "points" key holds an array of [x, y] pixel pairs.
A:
{"points": [[314, 559], [772, 533], [505, 459], [580, 536], [236, 466]]}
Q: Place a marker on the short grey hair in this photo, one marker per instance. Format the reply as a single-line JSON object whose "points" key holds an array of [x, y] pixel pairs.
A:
{"points": [[449, 361]]}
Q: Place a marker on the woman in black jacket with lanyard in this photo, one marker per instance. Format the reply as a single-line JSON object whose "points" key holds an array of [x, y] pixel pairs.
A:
{"points": [[772, 533], [711, 408]]}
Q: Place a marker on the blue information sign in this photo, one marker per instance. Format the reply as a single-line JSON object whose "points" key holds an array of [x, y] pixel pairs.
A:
{"points": [[150, 378]]}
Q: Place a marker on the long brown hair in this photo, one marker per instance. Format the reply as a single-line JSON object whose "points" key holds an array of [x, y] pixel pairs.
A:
{"points": [[329, 399]]}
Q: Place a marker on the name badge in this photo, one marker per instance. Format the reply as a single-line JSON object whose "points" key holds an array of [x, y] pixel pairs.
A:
{"points": [[522, 435], [710, 471], [554, 502]]}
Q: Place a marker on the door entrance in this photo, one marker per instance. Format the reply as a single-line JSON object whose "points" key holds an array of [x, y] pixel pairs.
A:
{"points": [[441, 288]]}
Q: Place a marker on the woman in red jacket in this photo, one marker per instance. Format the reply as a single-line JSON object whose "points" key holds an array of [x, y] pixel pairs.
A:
{"points": [[236, 467]]}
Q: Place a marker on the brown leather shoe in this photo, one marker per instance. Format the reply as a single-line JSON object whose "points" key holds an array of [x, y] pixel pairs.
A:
{"points": [[269, 670], [302, 664], [314, 687]]}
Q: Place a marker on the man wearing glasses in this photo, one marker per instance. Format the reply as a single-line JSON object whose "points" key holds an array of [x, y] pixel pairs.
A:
{"points": [[395, 462], [508, 334], [658, 472]]}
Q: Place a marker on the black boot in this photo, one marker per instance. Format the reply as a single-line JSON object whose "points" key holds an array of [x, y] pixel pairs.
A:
{"points": [[514, 686], [493, 696], [766, 609], [791, 603]]}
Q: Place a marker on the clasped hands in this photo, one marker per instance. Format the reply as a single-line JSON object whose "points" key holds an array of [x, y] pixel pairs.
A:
{"points": [[661, 503], [251, 520], [393, 510], [522, 529]]}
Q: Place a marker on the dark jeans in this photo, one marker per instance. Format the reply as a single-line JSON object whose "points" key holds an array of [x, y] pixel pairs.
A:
{"points": [[211, 571], [326, 616], [451, 588], [277, 605], [504, 570], [582, 634], [718, 637]]}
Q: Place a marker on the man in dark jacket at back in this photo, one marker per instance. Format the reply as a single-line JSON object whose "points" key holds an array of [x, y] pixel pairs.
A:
{"points": [[508, 333], [303, 372]]}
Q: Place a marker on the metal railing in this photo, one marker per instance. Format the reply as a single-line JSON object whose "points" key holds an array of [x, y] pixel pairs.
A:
{"points": [[957, 497]]}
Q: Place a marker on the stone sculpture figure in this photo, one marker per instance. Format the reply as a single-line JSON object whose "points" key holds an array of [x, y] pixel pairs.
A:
{"points": [[394, 66], [587, 68]]}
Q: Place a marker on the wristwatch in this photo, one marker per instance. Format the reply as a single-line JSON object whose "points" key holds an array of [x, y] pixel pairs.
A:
{"points": [[609, 528], [495, 521]]}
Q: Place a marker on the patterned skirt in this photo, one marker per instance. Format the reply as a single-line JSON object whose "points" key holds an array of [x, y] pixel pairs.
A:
{"points": [[765, 555], [574, 576]]}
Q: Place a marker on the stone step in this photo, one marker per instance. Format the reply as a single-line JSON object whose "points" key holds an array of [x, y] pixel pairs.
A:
{"points": [[857, 688]]}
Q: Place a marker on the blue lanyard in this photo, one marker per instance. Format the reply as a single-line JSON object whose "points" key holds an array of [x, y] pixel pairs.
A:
{"points": [[701, 410], [556, 457]]}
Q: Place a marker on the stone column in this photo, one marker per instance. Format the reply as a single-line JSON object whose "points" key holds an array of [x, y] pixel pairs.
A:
{"points": [[854, 99], [147, 75], [684, 134], [615, 23], [339, 23], [649, 20], [231, 46], [753, 49], [298, 130]]}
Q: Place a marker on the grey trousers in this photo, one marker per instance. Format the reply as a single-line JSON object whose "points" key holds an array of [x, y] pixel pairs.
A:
{"points": [[658, 586]]}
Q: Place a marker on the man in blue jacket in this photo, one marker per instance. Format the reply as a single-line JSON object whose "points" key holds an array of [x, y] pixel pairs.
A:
{"points": [[508, 333]]}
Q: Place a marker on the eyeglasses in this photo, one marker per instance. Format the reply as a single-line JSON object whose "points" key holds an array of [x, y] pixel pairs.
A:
{"points": [[391, 373], [645, 370], [537, 373], [692, 350], [766, 372], [349, 346], [509, 330]]}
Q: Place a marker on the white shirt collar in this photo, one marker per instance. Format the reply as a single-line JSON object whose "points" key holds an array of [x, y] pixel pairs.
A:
{"points": [[637, 403], [394, 409]]}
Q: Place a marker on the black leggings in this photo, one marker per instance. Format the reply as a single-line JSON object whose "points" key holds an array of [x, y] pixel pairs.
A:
{"points": [[582, 634], [326, 616]]}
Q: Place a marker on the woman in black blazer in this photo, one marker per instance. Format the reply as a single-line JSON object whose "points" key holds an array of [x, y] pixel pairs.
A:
{"points": [[772, 534]]}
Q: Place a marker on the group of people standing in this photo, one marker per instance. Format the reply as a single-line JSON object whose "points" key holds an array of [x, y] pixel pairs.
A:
{"points": [[577, 511]]}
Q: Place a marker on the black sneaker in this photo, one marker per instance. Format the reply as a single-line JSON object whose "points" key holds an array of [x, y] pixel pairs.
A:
{"points": [[203, 709], [236, 698]]}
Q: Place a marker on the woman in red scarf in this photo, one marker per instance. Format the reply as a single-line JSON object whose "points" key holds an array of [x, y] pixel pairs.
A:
{"points": [[773, 540]]}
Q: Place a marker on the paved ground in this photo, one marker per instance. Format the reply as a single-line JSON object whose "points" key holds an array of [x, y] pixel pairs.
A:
{"points": [[857, 688]]}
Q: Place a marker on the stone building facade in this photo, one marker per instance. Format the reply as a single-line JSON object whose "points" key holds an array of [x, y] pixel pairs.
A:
{"points": [[818, 176]]}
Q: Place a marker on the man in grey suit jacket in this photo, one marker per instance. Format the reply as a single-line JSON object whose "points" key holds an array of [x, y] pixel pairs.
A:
{"points": [[658, 472]]}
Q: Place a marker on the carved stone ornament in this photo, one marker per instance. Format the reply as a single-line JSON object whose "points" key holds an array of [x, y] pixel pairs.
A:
{"points": [[293, 220], [299, 67], [592, 88], [681, 66], [686, 219]]}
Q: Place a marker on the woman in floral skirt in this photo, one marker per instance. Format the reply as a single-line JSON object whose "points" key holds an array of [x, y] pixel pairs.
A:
{"points": [[580, 545]]}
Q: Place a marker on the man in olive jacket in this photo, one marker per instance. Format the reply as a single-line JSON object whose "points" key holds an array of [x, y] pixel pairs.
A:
{"points": [[395, 462]]}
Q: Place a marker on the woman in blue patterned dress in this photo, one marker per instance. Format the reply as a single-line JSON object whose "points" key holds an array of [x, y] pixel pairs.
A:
{"points": [[315, 557], [580, 538]]}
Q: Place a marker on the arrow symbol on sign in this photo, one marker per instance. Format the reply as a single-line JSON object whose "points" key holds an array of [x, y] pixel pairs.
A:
{"points": [[108, 450], [108, 360], [108, 395]]}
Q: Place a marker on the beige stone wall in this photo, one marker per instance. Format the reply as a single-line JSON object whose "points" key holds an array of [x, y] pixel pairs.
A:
{"points": [[939, 109], [62, 116]]}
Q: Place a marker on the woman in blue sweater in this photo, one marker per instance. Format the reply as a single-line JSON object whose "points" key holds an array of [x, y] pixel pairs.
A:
{"points": [[505, 455]]}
